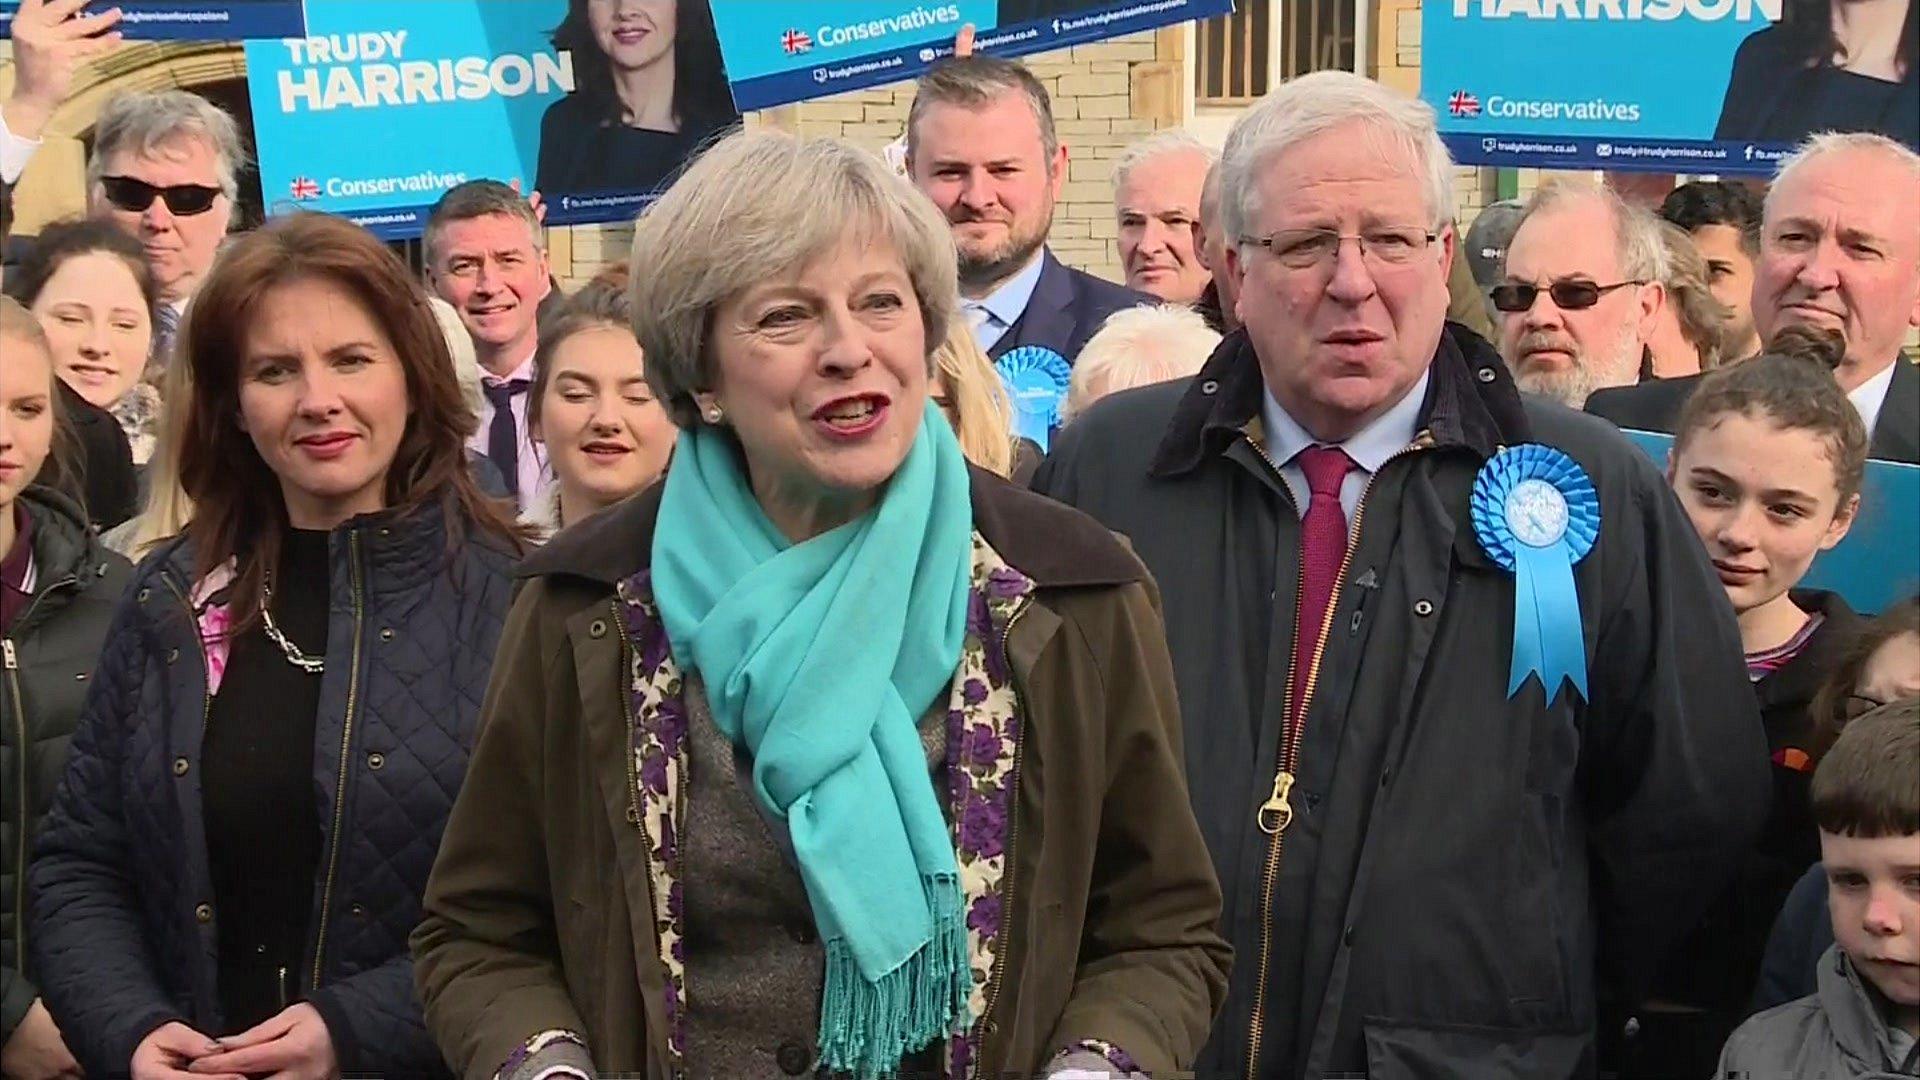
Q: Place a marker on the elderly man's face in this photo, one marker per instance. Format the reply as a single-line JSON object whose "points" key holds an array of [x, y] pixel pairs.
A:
{"points": [[1841, 249], [1342, 341], [987, 169], [1158, 206], [1568, 352], [180, 247]]}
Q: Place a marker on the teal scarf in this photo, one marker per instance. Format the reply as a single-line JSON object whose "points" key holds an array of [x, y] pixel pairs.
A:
{"points": [[819, 658]]}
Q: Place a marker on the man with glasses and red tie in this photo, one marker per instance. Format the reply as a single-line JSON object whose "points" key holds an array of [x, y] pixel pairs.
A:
{"points": [[1580, 293], [1467, 723]]}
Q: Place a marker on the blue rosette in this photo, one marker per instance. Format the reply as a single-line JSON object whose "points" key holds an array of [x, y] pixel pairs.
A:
{"points": [[1536, 514], [1036, 379]]}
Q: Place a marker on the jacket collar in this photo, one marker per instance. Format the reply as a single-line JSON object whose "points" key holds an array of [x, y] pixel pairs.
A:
{"points": [[1050, 305], [1055, 546], [1471, 402], [1893, 435], [401, 547], [63, 545]]}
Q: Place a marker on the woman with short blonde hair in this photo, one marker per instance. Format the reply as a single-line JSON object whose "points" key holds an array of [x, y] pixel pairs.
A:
{"points": [[804, 668]]}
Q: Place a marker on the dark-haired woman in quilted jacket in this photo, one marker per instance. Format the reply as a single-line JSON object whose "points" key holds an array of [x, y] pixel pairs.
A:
{"points": [[288, 695]]}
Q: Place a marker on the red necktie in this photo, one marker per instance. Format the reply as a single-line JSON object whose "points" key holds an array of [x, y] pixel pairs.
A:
{"points": [[1323, 546]]}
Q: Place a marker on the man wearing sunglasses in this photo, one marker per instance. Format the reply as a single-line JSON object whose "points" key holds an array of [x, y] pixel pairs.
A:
{"points": [[164, 168], [1840, 248], [1580, 292], [1427, 872]]}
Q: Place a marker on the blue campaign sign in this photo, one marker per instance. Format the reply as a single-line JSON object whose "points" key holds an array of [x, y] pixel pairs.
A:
{"points": [[778, 54], [1878, 563], [193, 20], [382, 107], [1705, 86]]}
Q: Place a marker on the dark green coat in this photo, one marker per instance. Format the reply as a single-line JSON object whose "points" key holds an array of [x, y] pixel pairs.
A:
{"points": [[46, 662]]}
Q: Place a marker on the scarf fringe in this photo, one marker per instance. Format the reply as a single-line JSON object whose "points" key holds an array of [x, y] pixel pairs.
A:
{"points": [[866, 1027]]}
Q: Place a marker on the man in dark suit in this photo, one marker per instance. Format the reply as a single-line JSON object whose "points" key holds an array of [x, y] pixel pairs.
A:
{"points": [[981, 144], [1840, 248]]}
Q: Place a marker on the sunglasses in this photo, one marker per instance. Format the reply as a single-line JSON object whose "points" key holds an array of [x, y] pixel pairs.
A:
{"points": [[135, 196], [1567, 295]]}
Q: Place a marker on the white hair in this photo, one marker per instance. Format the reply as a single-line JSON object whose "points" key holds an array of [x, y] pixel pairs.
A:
{"points": [[1312, 105], [1821, 144], [1138, 346], [1636, 232], [466, 364], [1163, 143]]}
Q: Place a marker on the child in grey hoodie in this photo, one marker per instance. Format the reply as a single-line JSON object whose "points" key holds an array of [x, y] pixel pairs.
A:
{"points": [[1864, 1021]]}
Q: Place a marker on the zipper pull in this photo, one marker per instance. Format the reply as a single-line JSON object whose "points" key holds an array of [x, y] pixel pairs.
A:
{"points": [[12, 659], [1368, 583], [284, 1002], [1276, 813]]}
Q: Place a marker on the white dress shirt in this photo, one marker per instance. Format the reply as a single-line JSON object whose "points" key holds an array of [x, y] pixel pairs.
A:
{"points": [[1870, 396], [532, 456], [15, 152], [1369, 448]]}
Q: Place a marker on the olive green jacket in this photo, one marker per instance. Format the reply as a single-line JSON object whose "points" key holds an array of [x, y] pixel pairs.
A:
{"points": [[553, 921]]}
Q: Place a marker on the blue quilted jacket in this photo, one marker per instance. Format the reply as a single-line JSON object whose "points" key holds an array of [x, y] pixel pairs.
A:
{"points": [[123, 930]]}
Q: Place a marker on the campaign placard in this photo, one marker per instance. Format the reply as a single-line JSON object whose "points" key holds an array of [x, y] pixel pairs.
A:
{"points": [[778, 53], [1694, 86], [193, 20], [382, 107], [1877, 564]]}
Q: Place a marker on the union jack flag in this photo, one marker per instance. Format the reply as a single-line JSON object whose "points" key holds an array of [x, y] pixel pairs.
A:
{"points": [[795, 41], [1463, 104], [304, 188]]}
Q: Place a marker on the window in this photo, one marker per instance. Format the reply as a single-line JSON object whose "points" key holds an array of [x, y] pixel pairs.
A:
{"points": [[1239, 57]]}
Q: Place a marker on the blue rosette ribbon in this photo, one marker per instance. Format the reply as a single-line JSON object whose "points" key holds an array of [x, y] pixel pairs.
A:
{"points": [[1536, 514], [1036, 379]]}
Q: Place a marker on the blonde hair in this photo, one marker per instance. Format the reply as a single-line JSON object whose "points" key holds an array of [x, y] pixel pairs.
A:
{"points": [[1136, 347], [982, 415], [1703, 319], [466, 364], [168, 508]]}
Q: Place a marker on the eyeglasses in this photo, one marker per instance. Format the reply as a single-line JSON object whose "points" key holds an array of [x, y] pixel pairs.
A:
{"points": [[134, 196], [1304, 249], [1516, 296]]}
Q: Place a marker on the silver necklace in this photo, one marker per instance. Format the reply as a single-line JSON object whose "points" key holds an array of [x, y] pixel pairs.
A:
{"points": [[312, 665]]}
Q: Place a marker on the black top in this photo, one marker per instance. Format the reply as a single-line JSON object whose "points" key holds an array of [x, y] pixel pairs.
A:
{"points": [[99, 464], [262, 812], [1774, 96], [583, 151]]}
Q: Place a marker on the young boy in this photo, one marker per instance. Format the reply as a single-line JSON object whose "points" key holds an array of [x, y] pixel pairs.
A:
{"points": [[1865, 1019]]}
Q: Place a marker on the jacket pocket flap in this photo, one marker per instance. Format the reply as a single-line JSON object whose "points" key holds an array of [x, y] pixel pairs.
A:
{"points": [[1442, 1052]]}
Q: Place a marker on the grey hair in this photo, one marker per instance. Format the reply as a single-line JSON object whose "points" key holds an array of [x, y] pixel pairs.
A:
{"points": [[1137, 346], [756, 207], [972, 82], [1821, 144], [144, 121], [1210, 200], [1312, 105], [1163, 143], [1636, 232]]}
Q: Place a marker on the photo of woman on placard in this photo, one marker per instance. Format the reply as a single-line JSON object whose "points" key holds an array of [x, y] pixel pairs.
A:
{"points": [[1828, 65], [649, 92]]}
